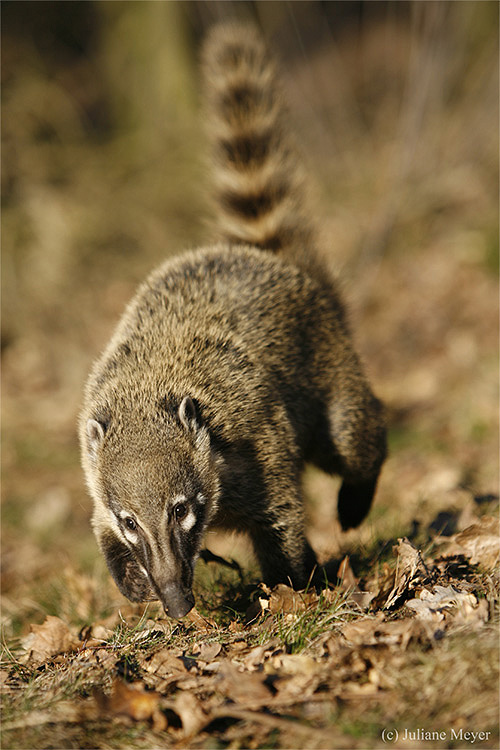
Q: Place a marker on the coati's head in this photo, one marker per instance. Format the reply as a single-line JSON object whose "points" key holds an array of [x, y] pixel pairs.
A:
{"points": [[154, 480]]}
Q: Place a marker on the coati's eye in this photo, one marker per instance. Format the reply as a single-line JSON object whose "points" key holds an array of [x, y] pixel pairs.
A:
{"points": [[180, 511], [130, 524]]}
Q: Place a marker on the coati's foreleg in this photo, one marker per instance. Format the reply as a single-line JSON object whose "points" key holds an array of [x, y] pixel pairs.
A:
{"points": [[283, 551], [278, 533]]}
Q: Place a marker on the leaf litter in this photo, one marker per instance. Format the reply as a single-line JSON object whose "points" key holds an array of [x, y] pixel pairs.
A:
{"points": [[196, 678]]}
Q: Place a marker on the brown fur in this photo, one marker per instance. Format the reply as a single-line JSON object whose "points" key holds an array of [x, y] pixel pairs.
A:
{"points": [[231, 368]]}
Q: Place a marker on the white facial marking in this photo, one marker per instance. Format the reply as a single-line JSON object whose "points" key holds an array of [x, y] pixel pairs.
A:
{"points": [[188, 521], [179, 499], [129, 534], [114, 522]]}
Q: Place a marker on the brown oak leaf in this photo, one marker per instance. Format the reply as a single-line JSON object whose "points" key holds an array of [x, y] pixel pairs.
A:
{"points": [[49, 639]]}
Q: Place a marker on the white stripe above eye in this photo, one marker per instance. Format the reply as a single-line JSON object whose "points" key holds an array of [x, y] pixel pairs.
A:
{"points": [[179, 499]]}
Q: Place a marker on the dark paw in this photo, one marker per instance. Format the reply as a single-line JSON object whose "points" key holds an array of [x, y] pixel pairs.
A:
{"points": [[354, 502]]}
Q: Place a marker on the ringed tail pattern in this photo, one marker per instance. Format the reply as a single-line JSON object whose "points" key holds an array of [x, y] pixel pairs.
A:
{"points": [[259, 191]]}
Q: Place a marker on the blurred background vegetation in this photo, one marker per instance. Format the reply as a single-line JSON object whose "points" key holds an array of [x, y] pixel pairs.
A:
{"points": [[395, 106]]}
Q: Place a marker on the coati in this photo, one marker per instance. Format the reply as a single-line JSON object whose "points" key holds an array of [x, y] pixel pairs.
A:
{"points": [[231, 368]]}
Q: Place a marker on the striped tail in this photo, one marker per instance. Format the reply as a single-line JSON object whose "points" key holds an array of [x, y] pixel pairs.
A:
{"points": [[259, 192]]}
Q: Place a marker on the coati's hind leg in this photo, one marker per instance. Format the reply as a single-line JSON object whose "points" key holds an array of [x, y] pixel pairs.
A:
{"points": [[351, 442], [358, 433]]}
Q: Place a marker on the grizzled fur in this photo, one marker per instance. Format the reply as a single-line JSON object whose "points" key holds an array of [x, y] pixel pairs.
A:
{"points": [[231, 368]]}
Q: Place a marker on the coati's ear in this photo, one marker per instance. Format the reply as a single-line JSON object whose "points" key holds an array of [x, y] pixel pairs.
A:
{"points": [[95, 433], [188, 414], [123, 567]]}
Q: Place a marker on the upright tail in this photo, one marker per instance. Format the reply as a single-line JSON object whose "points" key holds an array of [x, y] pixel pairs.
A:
{"points": [[259, 192]]}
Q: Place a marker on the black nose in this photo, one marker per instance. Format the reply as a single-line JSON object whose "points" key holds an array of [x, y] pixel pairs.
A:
{"points": [[176, 602]]}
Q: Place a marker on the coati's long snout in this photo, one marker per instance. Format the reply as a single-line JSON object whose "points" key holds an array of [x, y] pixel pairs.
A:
{"points": [[170, 565], [150, 574]]}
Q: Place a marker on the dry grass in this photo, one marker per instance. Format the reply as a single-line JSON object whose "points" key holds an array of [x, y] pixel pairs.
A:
{"points": [[102, 178]]}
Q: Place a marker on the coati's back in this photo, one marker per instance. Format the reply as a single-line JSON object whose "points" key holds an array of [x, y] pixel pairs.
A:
{"points": [[230, 368]]}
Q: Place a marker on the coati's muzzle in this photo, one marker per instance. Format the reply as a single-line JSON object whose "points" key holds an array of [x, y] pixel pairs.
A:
{"points": [[176, 596], [139, 584], [176, 601]]}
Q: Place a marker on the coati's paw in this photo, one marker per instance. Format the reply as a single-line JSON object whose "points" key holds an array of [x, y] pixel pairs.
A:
{"points": [[354, 502]]}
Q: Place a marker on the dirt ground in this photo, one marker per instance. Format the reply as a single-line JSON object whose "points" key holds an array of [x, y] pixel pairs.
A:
{"points": [[395, 107]]}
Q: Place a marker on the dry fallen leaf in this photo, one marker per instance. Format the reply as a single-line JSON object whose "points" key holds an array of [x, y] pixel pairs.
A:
{"points": [[371, 632], [202, 623], [99, 633], [207, 651], [280, 600], [480, 542], [165, 663], [166, 668], [293, 687], [51, 638], [348, 582], [363, 599], [294, 675], [133, 701], [254, 658], [64, 712], [191, 713], [358, 690], [292, 664], [256, 609], [445, 603], [242, 686], [410, 571], [345, 574], [284, 600]]}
